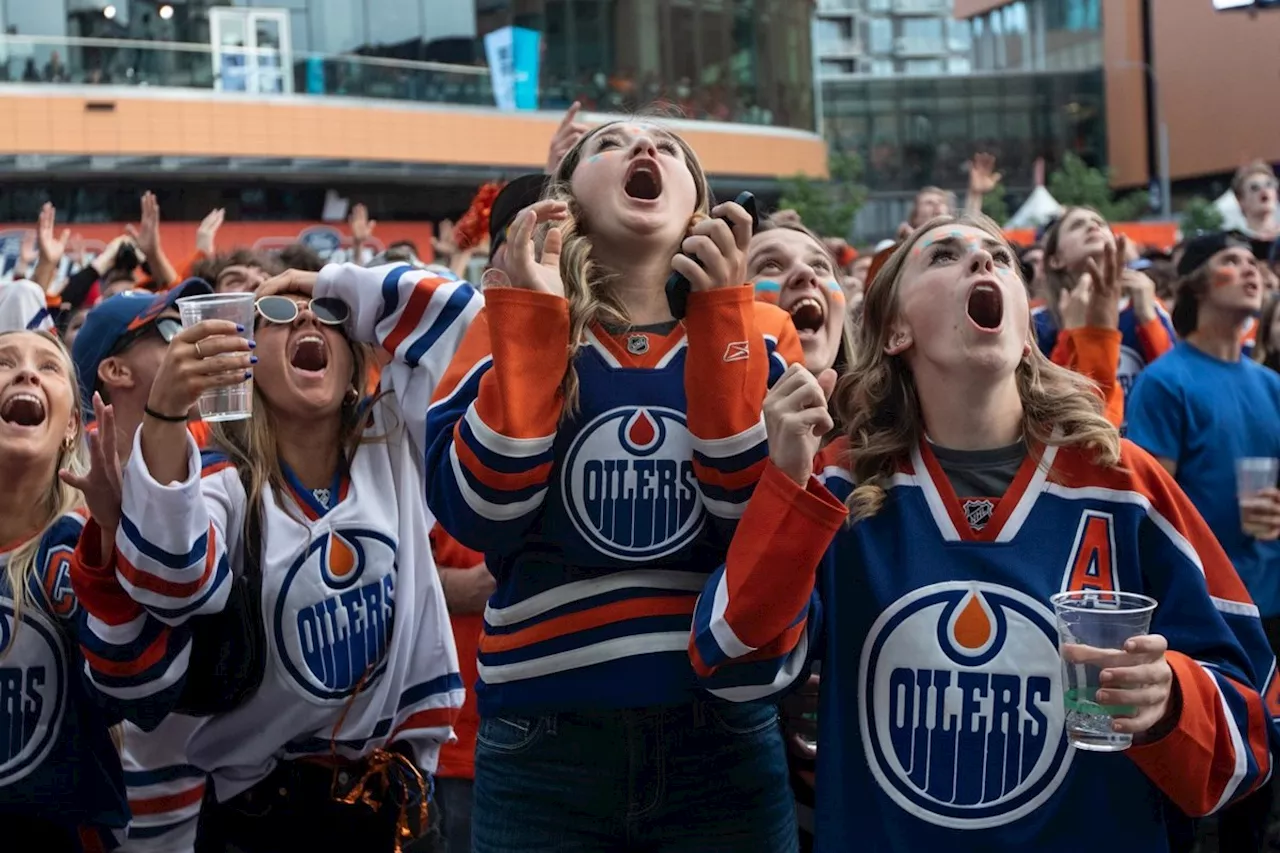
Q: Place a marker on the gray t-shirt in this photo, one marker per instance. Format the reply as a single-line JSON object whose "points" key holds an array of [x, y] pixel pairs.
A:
{"points": [[981, 473]]}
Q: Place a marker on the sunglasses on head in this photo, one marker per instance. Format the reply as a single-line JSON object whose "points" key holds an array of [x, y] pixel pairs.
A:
{"points": [[165, 327], [282, 309]]}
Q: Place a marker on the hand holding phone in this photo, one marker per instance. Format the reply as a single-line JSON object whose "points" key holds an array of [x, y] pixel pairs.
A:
{"points": [[713, 255]]}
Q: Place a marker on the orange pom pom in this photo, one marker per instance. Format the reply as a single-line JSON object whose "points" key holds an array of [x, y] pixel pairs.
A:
{"points": [[472, 228]]}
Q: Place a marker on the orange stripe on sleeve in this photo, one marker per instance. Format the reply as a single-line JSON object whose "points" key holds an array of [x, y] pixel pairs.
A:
{"points": [[572, 623], [412, 314], [168, 802], [535, 476], [1154, 338]]}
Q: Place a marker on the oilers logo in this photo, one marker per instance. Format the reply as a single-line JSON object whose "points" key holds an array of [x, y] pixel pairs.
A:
{"points": [[33, 690], [335, 612], [1131, 364], [628, 483], [961, 704]]}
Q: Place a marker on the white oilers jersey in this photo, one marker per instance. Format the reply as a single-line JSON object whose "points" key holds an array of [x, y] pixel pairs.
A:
{"points": [[351, 603]]}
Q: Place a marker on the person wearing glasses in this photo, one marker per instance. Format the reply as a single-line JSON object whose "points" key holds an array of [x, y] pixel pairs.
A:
{"points": [[319, 494], [1254, 186]]}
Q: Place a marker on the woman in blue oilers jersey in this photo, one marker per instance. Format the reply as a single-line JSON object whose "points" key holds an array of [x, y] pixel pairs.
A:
{"points": [[982, 480], [318, 499], [60, 780], [599, 449], [1079, 324]]}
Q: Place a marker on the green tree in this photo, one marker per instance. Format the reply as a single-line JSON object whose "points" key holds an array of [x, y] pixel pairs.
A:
{"points": [[828, 207], [1200, 215], [996, 205], [1078, 184]]}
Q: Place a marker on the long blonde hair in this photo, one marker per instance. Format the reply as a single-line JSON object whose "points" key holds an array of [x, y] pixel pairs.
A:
{"points": [[251, 444], [878, 402], [586, 282], [57, 499]]}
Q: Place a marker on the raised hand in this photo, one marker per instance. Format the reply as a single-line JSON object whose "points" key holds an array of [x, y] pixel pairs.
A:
{"points": [[1103, 310], [983, 177], [722, 249], [100, 485], [1141, 291], [361, 225], [147, 235], [540, 273], [207, 233], [796, 419], [50, 248], [566, 136]]}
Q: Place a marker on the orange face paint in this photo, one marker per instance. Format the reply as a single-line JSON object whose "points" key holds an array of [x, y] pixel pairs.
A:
{"points": [[1226, 277]]}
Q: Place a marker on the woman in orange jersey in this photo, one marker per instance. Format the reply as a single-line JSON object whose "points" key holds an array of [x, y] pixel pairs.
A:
{"points": [[599, 451], [1100, 318]]}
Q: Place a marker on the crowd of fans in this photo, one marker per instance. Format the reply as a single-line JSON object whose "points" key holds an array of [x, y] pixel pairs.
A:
{"points": [[601, 552]]}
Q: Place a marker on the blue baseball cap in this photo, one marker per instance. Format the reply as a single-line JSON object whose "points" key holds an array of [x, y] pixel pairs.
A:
{"points": [[112, 319]]}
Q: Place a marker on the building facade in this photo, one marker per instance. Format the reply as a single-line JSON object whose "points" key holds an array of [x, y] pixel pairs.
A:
{"points": [[264, 107], [885, 38]]}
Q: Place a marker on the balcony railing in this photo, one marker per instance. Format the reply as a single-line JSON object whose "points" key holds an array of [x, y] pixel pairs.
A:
{"points": [[839, 48], [267, 72], [922, 7], [911, 46], [838, 6]]}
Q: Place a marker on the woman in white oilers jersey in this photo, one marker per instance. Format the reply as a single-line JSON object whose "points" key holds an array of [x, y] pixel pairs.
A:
{"points": [[598, 449], [987, 480], [60, 783], [335, 747]]}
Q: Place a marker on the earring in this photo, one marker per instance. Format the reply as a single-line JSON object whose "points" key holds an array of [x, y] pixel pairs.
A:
{"points": [[69, 442], [352, 395], [898, 340]]}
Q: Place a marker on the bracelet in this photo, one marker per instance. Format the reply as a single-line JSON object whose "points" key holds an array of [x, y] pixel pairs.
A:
{"points": [[169, 419]]}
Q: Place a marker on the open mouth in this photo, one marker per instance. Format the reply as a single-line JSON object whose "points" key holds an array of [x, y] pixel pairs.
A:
{"points": [[986, 306], [23, 410], [808, 315], [310, 354], [644, 181]]}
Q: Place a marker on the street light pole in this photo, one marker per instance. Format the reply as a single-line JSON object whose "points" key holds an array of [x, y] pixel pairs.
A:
{"points": [[1157, 148]]}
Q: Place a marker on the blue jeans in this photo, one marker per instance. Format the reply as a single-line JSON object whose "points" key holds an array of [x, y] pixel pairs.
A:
{"points": [[708, 777]]}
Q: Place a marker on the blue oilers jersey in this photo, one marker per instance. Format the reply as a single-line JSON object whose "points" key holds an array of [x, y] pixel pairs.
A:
{"points": [[602, 526], [941, 715], [57, 761], [1137, 347]]}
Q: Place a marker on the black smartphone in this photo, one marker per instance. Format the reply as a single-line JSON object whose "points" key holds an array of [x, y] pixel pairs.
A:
{"points": [[127, 257], [678, 285]]}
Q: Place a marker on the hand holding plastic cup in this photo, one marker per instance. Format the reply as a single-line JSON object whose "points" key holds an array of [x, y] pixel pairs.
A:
{"points": [[223, 404], [1092, 629], [1253, 474]]}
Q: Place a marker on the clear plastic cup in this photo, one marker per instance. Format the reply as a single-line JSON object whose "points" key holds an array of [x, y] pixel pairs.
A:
{"points": [[1092, 628], [225, 404], [1255, 473]]}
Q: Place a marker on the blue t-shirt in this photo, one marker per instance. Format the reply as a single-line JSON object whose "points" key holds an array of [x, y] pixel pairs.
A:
{"points": [[1205, 414]]}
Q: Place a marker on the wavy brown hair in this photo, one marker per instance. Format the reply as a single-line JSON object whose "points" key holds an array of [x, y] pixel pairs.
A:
{"points": [[878, 403], [587, 283], [1055, 280]]}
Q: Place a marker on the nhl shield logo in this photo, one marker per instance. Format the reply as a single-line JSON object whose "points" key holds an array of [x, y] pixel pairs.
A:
{"points": [[638, 344], [978, 512]]}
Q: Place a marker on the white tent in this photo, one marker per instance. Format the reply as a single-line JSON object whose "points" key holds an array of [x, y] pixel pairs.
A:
{"points": [[1039, 208], [1229, 206]]}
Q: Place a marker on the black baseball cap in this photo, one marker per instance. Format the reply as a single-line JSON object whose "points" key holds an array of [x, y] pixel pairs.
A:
{"points": [[518, 194], [1200, 248]]}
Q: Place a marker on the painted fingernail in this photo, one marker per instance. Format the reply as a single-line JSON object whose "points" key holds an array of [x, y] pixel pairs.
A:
{"points": [[253, 359], [248, 374], [253, 344], [239, 328]]}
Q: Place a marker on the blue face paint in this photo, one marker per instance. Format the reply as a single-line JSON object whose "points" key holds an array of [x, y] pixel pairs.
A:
{"points": [[765, 285], [594, 157]]}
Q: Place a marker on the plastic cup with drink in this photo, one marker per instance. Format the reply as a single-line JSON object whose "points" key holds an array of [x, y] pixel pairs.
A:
{"points": [[1253, 474], [1093, 627], [223, 404]]}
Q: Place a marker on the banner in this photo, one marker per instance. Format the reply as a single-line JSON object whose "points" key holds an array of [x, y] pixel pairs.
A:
{"points": [[515, 57], [331, 242]]}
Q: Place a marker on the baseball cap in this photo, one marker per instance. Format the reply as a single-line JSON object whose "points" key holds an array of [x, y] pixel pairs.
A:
{"points": [[518, 194], [112, 319], [1200, 248]]}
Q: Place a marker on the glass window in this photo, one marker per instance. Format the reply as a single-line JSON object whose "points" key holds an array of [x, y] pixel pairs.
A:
{"points": [[959, 35], [923, 66], [34, 17], [882, 67], [336, 26], [923, 29], [881, 35]]}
